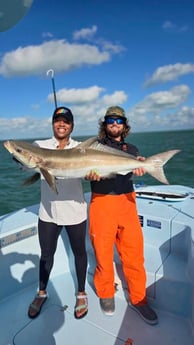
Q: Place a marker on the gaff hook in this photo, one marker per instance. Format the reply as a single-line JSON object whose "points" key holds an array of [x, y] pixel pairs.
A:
{"points": [[50, 72]]}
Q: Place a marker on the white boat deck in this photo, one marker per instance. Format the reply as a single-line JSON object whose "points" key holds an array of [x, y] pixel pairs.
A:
{"points": [[169, 260], [56, 326]]}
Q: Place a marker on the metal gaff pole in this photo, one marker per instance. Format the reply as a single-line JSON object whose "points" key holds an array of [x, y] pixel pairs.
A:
{"points": [[51, 73]]}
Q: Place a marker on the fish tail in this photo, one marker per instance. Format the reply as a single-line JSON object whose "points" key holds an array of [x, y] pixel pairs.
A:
{"points": [[156, 163]]}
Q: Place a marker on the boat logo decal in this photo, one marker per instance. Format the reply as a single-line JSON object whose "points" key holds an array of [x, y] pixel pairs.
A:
{"points": [[154, 223]]}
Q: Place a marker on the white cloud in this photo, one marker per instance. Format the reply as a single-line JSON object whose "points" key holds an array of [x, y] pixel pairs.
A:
{"points": [[153, 111], [85, 33], [88, 106], [159, 101], [47, 35], [24, 127], [61, 55], [157, 111], [117, 98], [169, 72], [89, 33], [77, 96], [170, 26], [185, 116]]}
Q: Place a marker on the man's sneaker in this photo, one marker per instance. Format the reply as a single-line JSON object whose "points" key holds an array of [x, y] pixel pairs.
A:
{"points": [[146, 313], [107, 305]]}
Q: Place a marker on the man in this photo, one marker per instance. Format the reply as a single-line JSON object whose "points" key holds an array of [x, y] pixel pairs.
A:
{"points": [[67, 208], [114, 220]]}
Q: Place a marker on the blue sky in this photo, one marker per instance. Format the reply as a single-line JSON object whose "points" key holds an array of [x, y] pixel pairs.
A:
{"points": [[138, 54]]}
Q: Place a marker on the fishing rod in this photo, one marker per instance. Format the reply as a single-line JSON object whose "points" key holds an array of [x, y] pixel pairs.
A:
{"points": [[51, 73]]}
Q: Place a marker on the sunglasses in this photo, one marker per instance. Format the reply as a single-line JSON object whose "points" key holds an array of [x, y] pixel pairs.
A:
{"points": [[118, 120]]}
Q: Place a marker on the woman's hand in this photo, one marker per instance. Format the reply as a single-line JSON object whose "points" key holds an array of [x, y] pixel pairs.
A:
{"points": [[93, 176]]}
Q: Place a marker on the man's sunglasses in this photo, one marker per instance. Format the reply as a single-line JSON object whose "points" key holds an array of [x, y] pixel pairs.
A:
{"points": [[118, 120]]}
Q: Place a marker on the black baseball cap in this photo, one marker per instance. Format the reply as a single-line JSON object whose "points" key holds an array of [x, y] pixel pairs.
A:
{"points": [[62, 112]]}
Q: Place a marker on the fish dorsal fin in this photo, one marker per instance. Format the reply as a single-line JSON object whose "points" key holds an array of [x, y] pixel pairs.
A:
{"points": [[86, 144], [94, 144], [105, 148]]}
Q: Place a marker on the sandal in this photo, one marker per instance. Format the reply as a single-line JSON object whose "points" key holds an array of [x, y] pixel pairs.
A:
{"points": [[81, 306], [36, 306]]}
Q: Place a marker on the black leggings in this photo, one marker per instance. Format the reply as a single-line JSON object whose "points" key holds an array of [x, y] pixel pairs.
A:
{"points": [[48, 236]]}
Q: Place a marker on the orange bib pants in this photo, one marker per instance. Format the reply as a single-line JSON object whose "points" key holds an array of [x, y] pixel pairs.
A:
{"points": [[114, 221]]}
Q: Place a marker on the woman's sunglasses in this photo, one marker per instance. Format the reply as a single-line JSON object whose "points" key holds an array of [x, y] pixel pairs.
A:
{"points": [[118, 120]]}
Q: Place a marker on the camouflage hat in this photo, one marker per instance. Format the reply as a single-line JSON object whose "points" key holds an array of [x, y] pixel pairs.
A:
{"points": [[115, 111]]}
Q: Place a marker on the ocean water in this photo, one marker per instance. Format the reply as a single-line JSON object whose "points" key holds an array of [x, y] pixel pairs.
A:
{"points": [[179, 170]]}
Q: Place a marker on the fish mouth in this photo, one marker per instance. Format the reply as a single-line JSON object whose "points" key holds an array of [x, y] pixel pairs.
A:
{"points": [[8, 146]]}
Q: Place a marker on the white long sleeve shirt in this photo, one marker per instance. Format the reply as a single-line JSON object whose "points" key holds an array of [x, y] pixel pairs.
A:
{"points": [[68, 207]]}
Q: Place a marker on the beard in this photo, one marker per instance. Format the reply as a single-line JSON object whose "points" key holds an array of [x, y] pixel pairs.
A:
{"points": [[114, 132]]}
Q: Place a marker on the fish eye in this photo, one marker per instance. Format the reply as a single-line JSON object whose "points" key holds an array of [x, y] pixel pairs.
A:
{"points": [[18, 150]]}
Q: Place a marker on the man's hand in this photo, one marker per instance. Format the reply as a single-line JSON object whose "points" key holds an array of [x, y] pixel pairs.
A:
{"points": [[93, 176], [140, 171]]}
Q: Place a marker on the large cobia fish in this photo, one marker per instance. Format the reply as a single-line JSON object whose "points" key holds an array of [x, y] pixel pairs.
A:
{"points": [[79, 161]]}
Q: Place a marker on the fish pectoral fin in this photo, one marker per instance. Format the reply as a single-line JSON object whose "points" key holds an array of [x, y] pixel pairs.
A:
{"points": [[32, 179], [49, 179]]}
